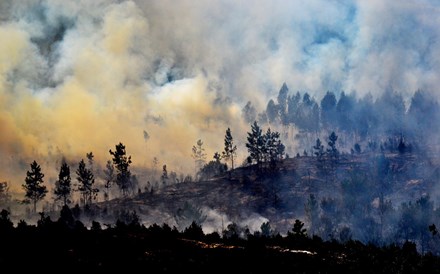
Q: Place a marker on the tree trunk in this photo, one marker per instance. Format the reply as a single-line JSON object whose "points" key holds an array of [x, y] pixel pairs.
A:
{"points": [[35, 206]]}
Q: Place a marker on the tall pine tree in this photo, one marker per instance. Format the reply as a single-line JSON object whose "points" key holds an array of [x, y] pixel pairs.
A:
{"points": [[63, 187], [122, 164], [35, 190], [230, 149]]}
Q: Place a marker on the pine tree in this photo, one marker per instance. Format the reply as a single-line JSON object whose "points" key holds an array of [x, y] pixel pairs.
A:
{"points": [[230, 149], [35, 190], [164, 176], [319, 149], [255, 144], [332, 150], [86, 180], [122, 164], [63, 187]]}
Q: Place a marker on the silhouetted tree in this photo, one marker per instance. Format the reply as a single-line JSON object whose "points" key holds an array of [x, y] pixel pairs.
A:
{"points": [[319, 149], [86, 180], [34, 188], [298, 230], [122, 165], [332, 151], [212, 168], [164, 176], [273, 148], [5, 222], [255, 144], [230, 151], [63, 187], [266, 230]]}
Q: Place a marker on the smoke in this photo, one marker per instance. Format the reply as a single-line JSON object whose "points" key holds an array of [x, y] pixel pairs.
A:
{"points": [[81, 76]]}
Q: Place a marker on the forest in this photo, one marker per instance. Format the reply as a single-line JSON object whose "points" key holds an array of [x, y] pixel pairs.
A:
{"points": [[364, 191]]}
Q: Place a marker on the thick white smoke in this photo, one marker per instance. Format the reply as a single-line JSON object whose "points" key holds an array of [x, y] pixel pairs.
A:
{"points": [[80, 76]]}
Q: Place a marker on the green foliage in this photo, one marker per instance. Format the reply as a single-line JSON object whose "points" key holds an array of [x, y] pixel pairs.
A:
{"points": [[35, 191]]}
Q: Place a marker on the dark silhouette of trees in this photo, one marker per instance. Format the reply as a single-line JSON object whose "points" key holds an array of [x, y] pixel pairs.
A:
{"points": [[255, 144], [63, 188], [332, 151], [319, 149], [34, 188], [122, 165], [264, 148], [213, 168], [164, 176], [6, 224], [298, 229], [86, 181], [230, 151], [273, 148]]}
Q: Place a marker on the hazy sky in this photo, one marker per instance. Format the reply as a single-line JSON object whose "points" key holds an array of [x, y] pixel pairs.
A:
{"points": [[80, 76]]}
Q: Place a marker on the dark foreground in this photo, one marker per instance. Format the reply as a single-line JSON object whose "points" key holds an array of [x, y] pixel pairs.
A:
{"points": [[65, 246]]}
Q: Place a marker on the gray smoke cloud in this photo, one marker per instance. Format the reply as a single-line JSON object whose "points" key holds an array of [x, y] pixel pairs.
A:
{"points": [[80, 76]]}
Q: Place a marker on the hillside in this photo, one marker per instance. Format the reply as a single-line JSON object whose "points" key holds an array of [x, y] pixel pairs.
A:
{"points": [[248, 197]]}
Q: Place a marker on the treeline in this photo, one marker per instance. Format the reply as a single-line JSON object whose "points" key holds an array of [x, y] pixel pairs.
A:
{"points": [[67, 244], [387, 115]]}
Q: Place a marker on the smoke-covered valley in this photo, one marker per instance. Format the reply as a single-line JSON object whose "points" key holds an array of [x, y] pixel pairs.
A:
{"points": [[77, 78]]}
